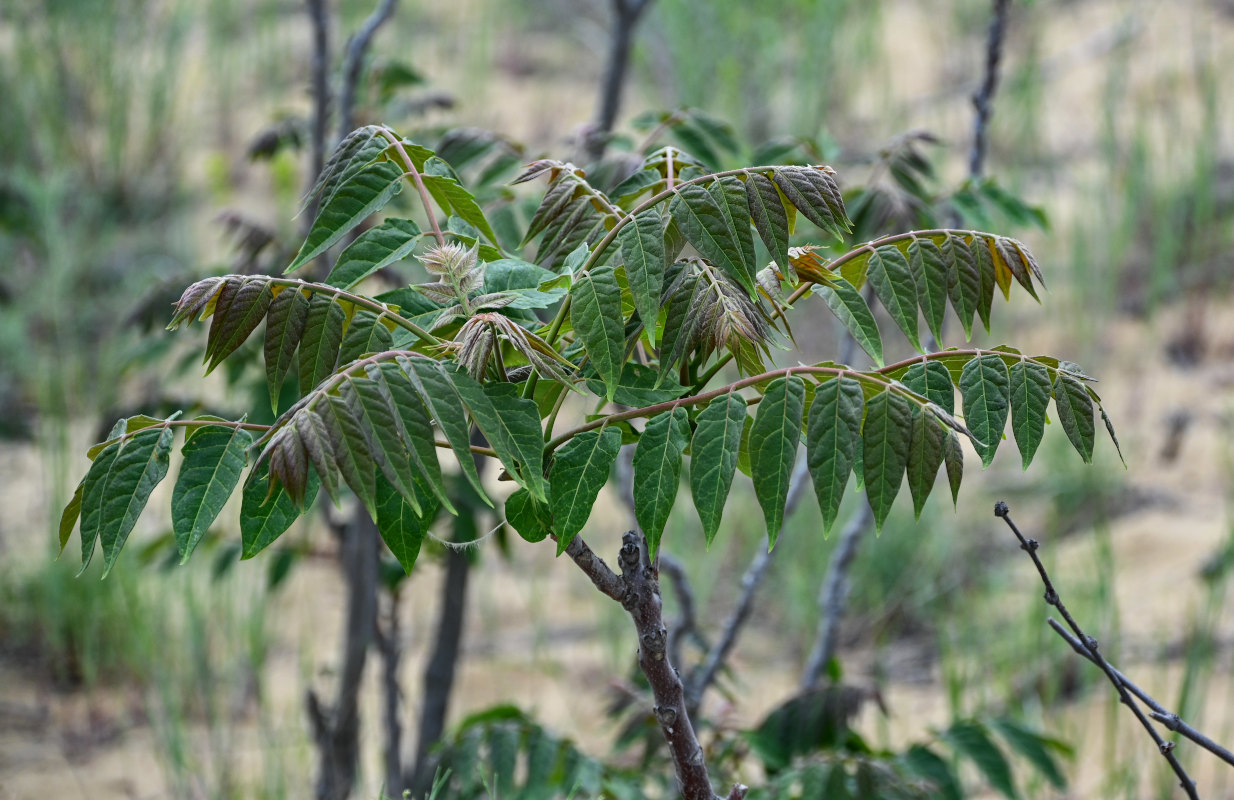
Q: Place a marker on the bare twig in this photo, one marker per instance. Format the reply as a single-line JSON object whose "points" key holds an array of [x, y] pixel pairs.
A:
{"points": [[320, 19], [442, 666], [1089, 644], [983, 100], [387, 642], [833, 598], [357, 48], [1158, 712], [626, 14], [336, 729]]}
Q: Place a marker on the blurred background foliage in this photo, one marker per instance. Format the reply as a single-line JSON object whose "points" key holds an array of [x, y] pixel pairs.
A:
{"points": [[147, 142]]}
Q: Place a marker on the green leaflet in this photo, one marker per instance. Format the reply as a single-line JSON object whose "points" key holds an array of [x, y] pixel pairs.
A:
{"points": [[930, 273], [365, 193], [925, 456], [70, 515], [319, 347], [93, 493], [595, 314], [985, 271], [885, 441], [931, 380], [953, 457], [642, 251], [766, 209], [556, 200], [1034, 747], [315, 439], [657, 471], [815, 195], [1075, 414], [413, 425], [580, 470], [833, 433], [214, 457], [400, 526], [351, 451], [970, 739], [963, 280], [530, 519], [442, 399], [773, 447], [986, 390], [706, 226], [730, 196], [365, 334], [358, 149], [1109, 428], [459, 201], [284, 329], [511, 424], [377, 248], [889, 273], [526, 281], [846, 302], [379, 424], [139, 466], [925, 762], [713, 460], [641, 385], [1016, 262], [239, 311], [1030, 395], [265, 514]]}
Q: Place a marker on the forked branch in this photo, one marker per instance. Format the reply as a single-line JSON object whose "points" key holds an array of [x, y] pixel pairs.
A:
{"points": [[1087, 646]]}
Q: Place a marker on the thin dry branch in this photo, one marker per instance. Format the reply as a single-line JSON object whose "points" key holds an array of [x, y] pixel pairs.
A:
{"points": [[983, 100], [833, 598], [1089, 645], [357, 48], [1157, 711]]}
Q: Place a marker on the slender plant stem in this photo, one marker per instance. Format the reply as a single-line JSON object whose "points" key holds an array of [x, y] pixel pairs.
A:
{"points": [[425, 199], [983, 100], [1031, 546], [1157, 711]]}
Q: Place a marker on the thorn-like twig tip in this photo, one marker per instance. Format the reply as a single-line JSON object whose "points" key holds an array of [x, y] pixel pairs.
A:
{"points": [[1000, 509]]}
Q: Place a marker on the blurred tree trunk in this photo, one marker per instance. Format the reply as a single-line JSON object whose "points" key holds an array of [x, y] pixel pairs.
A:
{"points": [[626, 14], [336, 729]]}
